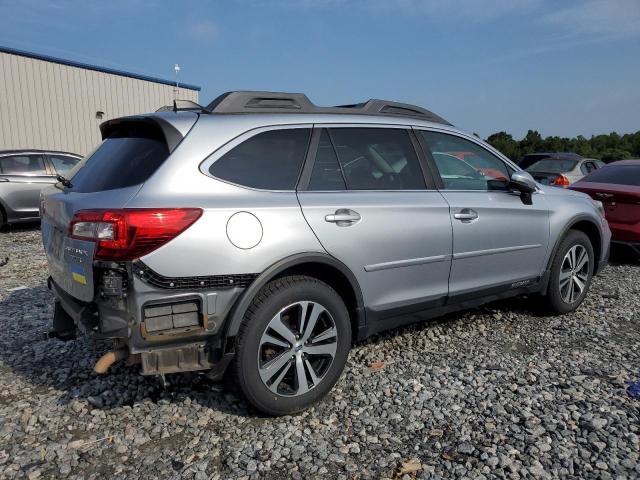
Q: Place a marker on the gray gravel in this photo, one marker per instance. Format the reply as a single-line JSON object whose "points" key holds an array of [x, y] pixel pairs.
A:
{"points": [[496, 392]]}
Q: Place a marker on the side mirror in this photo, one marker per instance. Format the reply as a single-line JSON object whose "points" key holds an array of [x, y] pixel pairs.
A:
{"points": [[525, 184]]}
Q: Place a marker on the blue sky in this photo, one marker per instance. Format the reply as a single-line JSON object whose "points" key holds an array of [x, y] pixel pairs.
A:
{"points": [[562, 67]]}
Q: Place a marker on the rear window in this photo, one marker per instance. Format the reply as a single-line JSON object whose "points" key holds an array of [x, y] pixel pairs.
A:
{"points": [[269, 161], [129, 156], [616, 174], [553, 166], [530, 159]]}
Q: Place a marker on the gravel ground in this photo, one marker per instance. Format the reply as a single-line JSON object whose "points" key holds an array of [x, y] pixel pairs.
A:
{"points": [[500, 391]]}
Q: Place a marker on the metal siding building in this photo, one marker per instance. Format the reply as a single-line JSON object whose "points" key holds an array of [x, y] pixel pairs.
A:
{"points": [[52, 104]]}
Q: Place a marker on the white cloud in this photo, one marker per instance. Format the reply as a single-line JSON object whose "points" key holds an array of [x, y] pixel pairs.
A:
{"points": [[204, 29], [449, 9], [443, 9], [585, 22], [599, 19]]}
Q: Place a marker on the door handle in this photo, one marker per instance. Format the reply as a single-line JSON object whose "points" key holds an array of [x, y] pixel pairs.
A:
{"points": [[466, 215], [343, 217], [4, 179], [604, 195]]}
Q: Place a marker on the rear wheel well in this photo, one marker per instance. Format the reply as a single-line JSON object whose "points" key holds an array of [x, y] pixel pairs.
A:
{"points": [[336, 280], [591, 231]]}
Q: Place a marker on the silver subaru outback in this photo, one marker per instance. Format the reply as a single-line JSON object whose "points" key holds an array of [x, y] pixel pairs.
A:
{"points": [[261, 236]]}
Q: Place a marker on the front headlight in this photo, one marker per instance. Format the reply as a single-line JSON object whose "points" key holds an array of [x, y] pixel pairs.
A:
{"points": [[599, 206]]}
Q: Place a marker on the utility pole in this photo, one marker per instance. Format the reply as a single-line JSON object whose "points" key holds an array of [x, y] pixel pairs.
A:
{"points": [[175, 92]]}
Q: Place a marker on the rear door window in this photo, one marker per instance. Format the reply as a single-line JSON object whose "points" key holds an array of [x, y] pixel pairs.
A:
{"points": [[63, 163], [129, 156], [268, 161], [22, 165], [369, 159], [553, 166]]}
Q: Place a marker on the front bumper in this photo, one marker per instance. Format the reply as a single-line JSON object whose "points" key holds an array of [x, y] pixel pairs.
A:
{"points": [[604, 258]]}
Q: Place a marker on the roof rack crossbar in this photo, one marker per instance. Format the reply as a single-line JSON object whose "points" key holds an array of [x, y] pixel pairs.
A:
{"points": [[278, 102]]}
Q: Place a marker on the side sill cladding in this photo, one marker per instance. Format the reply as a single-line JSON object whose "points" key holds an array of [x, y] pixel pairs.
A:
{"points": [[232, 325]]}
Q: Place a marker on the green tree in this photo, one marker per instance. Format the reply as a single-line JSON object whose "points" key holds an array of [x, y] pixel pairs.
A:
{"points": [[532, 142], [608, 147], [506, 144]]}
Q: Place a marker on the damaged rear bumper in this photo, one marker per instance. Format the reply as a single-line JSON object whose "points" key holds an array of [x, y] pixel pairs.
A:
{"points": [[169, 330]]}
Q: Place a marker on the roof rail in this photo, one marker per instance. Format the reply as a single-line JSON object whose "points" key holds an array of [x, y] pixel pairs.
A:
{"points": [[183, 106], [278, 102]]}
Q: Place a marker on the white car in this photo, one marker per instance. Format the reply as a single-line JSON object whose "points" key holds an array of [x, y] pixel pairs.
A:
{"points": [[563, 172]]}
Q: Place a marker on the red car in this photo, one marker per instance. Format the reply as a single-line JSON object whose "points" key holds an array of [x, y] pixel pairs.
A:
{"points": [[617, 186]]}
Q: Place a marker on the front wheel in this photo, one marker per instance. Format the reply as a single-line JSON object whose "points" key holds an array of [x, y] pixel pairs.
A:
{"points": [[571, 273], [293, 345]]}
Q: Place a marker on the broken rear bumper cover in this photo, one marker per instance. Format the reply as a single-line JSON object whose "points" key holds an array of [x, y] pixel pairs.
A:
{"points": [[175, 325]]}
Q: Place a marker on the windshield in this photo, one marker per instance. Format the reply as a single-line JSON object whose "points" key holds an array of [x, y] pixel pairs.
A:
{"points": [[616, 174], [553, 166]]}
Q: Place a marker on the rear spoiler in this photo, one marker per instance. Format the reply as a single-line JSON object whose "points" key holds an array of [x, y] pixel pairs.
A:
{"points": [[172, 135]]}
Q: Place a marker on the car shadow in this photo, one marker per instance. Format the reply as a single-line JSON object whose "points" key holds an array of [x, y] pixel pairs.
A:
{"points": [[40, 365], [21, 227], [623, 255], [521, 305]]}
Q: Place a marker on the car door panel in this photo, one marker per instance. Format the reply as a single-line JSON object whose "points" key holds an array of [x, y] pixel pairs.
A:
{"points": [[21, 191], [21, 194], [504, 245], [372, 211], [499, 241], [400, 249]]}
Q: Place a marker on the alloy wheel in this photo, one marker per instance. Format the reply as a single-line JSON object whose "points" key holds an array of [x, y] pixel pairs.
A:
{"points": [[574, 273], [297, 348]]}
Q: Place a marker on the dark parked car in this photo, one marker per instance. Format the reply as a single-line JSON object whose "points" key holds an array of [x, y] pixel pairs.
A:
{"points": [[23, 173], [532, 158], [617, 186]]}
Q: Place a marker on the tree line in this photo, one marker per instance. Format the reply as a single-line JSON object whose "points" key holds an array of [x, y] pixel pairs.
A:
{"points": [[607, 148]]}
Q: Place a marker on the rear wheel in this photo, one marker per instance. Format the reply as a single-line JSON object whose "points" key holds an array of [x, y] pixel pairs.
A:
{"points": [[293, 345], [571, 273]]}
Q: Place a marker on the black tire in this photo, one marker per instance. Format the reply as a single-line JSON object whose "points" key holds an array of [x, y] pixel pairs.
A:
{"points": [[63, 326], [554, 297], [272, 299]]}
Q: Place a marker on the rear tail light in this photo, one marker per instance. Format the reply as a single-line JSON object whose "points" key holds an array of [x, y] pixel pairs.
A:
{"points": [[561, 181], [126, 234]]}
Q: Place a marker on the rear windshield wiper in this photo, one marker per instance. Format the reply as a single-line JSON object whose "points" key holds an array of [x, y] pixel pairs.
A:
{"points": [[64, 181]]}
